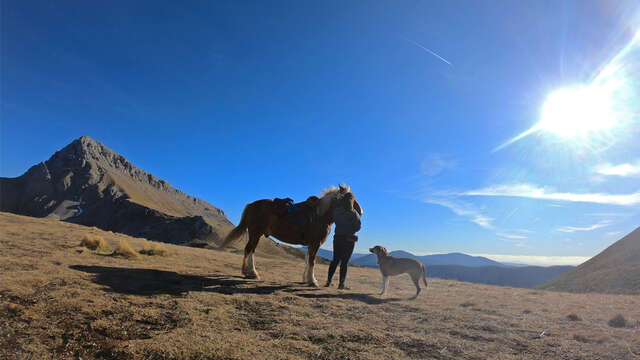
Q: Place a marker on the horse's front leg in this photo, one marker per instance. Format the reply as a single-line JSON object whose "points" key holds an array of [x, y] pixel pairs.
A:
{"points": [[309, 274]]}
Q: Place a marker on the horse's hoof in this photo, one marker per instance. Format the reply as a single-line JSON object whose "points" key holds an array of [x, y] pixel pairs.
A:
{"points": [[313, 284], [252, 276]]}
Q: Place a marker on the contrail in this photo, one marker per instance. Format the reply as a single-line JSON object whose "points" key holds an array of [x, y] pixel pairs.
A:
{"points": [[526, 133], [430, 52]]}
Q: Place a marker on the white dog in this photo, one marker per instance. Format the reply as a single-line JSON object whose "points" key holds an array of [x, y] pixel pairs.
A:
{"points": [[391, 266]]}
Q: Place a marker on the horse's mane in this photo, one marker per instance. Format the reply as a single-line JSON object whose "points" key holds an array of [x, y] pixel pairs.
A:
{"points": [[332, 193], [336, 189]]}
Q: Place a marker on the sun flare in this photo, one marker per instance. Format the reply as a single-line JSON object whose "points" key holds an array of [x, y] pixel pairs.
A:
{"points": [[577, 111], [597, 113]]}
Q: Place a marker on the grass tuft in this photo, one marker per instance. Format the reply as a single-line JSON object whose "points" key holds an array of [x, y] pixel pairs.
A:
{"points": [[14, 309], [154, 249], [93, 242], [618, 321], [573, 317], [126, 251]]}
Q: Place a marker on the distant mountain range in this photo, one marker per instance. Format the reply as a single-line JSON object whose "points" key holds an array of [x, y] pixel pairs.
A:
{"points": [[521, 276], [437, 259], [463, 267], [615, 270]]}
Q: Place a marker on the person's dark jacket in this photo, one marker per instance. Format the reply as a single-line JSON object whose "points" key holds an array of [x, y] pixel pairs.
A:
{"points": [[347, 223]]}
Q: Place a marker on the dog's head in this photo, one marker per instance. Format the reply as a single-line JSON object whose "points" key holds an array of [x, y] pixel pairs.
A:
{"points": [[379, 250]]}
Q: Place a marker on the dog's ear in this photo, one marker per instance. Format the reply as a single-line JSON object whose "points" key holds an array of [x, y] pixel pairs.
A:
{"points": [[383, 249]]}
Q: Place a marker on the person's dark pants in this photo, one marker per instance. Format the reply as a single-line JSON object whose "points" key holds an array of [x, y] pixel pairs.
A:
{"points": [[342, 250]]}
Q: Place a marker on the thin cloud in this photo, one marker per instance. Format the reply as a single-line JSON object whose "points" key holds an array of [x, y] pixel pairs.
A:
{"points": [[571, 229], [622, 170], [430, 52], [511, 236], [536, 260], [464, 210], [614, 233], [526, 231], [434, 164], [536, 192]]}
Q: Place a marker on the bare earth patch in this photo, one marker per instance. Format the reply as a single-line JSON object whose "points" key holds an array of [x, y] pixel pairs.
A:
{"points": [[59, 300]]}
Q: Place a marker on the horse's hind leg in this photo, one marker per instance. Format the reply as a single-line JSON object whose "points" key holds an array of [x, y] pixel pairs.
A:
{"points": [[248, 263], [306, 267]]}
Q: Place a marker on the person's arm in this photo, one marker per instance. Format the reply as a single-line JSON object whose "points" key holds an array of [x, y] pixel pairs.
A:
{"points": [[357, 207], [356, 223]]}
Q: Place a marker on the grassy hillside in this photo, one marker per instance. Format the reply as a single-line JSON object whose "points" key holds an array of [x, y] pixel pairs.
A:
{"points": [[59, 300], [616, 270]]}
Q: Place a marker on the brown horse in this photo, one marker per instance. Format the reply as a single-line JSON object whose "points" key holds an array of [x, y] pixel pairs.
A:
{"points": [[309, 225]]}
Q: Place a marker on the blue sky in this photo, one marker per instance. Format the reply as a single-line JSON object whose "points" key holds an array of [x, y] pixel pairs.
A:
{"points": [[407, 102]]}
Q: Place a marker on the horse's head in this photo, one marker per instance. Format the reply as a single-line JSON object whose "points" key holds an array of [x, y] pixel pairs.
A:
{"points": [[333, 195]]}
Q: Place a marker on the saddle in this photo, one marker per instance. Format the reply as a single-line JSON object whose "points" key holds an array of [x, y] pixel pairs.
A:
{"points": [[283, 206], [298, 214]]}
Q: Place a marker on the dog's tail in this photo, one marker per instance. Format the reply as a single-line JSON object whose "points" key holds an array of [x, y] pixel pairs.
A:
{"points": [[237, 231], [424, 275]]}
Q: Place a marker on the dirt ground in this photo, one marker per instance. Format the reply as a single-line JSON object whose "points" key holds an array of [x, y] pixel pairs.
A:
{"points": [[59, 300]]}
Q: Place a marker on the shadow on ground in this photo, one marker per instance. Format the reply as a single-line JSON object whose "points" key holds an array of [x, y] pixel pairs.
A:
{"points": [[154, 282], [365, 298]]}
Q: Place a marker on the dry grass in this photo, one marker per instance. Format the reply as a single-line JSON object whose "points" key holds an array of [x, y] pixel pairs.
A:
{"points": [[93, 242], [153, 248], [57, 303], [126, 251]]}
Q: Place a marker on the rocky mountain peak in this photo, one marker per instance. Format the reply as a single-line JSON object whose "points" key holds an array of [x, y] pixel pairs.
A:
{"points": [[88, 183]]}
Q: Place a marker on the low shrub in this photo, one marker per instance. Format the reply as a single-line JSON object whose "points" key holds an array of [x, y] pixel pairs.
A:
{"points": [[154, 249], [573, 317], [126, 251], [93, 242], [618, 321]]}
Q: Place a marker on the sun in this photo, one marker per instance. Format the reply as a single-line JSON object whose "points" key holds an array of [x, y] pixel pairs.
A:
{"points": [[577, 111]]}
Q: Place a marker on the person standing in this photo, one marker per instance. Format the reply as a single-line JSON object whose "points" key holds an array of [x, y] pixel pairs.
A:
{"points": [[347, 221]]}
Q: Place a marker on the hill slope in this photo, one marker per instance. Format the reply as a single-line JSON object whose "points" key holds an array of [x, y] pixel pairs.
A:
{"points": [[62, 301], [615, 270], [90, 184]]}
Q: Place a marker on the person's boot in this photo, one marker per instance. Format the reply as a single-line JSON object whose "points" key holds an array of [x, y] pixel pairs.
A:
{"points": [[327, 284], [342, 287]]}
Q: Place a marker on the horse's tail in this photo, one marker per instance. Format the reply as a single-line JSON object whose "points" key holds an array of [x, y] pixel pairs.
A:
{"points": [[424, 275], [237, 231]]}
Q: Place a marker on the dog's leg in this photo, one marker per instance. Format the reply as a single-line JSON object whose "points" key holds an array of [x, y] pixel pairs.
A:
{"points": [[416, 282], [385, 283]]}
